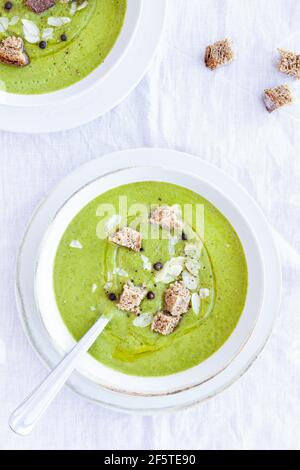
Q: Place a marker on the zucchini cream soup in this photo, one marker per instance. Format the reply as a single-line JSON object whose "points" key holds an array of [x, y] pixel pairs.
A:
{"points": [[47, 45], [168, 268]]}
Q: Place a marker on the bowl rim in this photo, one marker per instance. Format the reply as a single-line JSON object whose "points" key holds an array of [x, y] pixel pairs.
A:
{"points": [[119, 49], [119, 158]]}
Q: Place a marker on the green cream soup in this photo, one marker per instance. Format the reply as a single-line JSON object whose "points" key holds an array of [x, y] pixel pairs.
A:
{"points": [[72, 51], [88, 267]]}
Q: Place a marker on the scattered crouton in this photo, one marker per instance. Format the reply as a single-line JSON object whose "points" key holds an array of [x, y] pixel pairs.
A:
{"points": [[12, 52], [39, 6], [167, 217], [218, 54], [128, 238], [164, 323], [177, 299], [131, 298], [275, 98], [289, 63]]}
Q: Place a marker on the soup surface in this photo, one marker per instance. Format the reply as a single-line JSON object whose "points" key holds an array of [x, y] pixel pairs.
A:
{"points": [[75, 42], [90, 273]]}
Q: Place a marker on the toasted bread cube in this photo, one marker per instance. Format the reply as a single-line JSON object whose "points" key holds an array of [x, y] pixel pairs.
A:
{"points": [[131, 298], [218, 54], [275, 98], [12, 52], [289, 63], [177, 299], [164, 323], [127, 237], [166, 217], [39, 6]]}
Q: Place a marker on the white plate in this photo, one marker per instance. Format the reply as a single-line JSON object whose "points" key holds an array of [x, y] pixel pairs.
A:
{"points": [[50, 337], [103, 89]]}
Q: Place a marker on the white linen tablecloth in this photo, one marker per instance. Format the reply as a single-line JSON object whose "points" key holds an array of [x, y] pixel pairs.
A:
{"points": [[219, 117]]}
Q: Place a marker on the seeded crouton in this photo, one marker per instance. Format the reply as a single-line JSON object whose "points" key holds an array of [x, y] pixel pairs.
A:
{"points": [[164, 323], [39, 6], [289, 63], [128, 238], [131, 298], [275, 98], [12, 52], [166, 217], [219, 53], [177, 299]]}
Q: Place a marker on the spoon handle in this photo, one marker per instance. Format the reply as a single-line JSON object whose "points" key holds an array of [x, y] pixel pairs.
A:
{"points": [[24, 418]]}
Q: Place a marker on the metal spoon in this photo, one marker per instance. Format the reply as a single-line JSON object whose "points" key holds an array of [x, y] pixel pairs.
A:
{"points": [[25, 417]]}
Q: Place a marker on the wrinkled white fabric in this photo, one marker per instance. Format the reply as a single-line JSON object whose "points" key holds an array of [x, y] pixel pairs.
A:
{"points": [[219, 117]]}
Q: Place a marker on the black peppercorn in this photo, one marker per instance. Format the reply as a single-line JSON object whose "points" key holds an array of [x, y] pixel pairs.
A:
{"points": [[150, 295], [63, 37], [43, 44], [8, 5], [112, 296], [184, 237], [158, 266]]}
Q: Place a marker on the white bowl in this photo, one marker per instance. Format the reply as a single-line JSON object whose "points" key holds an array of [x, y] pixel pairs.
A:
{"points": [[95, 101], [89, 366], [132, 17], [51, 338]]}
